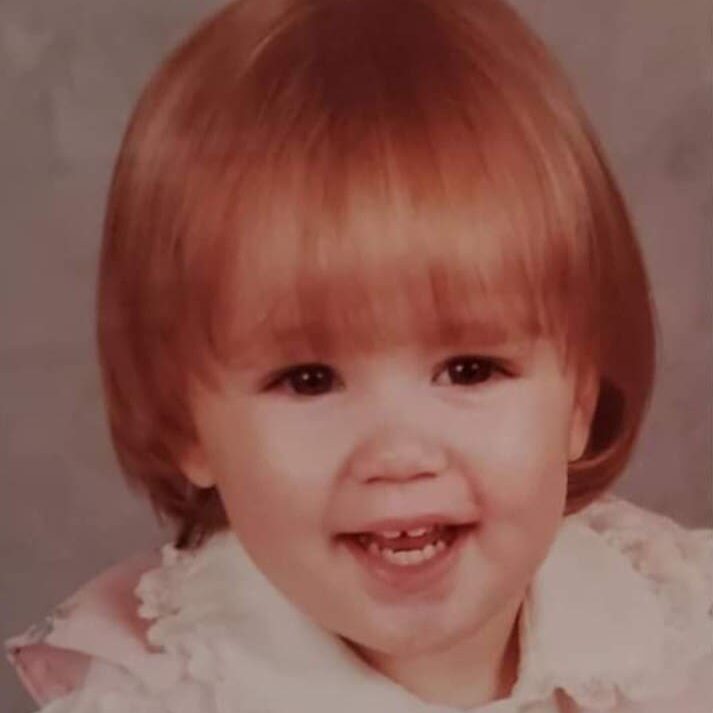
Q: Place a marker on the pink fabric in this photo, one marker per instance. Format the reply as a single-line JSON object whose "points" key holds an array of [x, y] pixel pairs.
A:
{"points": [[100, 620], [48, 672]]}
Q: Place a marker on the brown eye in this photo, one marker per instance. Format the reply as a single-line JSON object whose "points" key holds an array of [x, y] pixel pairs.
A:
{"points": [[307, 379], [470, 370]]}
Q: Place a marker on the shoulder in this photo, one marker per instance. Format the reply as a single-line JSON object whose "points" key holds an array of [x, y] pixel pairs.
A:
{"points": [[675, 562], [94, 641], [619, 616], [645, 534], [675, 566]]}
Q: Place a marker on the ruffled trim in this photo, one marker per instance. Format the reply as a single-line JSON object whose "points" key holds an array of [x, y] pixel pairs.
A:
{"points": [[621, 611], [677, 566]]}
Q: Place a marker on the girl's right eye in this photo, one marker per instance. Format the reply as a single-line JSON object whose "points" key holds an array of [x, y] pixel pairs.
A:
{"points": [[305, 380]]}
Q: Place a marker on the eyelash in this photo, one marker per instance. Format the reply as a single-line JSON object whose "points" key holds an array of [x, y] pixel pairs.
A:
{"points": [[492, 367]]}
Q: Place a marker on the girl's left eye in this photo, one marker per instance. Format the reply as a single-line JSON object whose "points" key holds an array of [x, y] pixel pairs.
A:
{"points": [[306, 379], [470, 370]]}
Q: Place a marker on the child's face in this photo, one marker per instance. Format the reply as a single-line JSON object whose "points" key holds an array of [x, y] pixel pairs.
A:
{"points": [[395, 433]]}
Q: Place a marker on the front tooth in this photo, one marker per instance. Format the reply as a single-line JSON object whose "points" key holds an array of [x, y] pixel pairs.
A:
{"points": [[391, 534], [418, 531]]}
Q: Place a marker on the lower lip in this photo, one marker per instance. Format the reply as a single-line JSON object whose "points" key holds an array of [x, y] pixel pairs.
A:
{"points": [[414, 578]]}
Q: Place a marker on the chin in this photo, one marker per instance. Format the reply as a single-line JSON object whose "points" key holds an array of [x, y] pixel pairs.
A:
{"points": [[407, 638]]}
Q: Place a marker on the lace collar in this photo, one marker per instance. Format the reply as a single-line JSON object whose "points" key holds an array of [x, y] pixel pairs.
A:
{"points": [[618, 611]]}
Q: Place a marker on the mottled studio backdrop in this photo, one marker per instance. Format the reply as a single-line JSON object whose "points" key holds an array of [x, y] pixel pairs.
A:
{"points": [[69, 72]]}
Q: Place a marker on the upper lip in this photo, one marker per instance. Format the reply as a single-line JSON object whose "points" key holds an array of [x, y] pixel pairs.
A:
{"points": [[409, 523]]}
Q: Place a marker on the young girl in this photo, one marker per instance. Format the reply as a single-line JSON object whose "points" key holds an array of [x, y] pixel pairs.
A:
{"points": [[376, 336]]}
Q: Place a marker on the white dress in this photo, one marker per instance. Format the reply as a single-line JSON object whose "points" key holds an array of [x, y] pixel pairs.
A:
{"points": [[618, 618]]}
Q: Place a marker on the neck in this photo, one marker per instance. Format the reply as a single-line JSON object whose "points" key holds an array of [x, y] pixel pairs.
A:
{"points": [[473, 671]]}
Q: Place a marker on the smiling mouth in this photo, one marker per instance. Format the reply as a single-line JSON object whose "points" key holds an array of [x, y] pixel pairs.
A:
{"points": [[411, 547], [406, 563]]}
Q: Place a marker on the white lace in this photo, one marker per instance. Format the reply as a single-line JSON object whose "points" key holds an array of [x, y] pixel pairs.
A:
{"points": [[244, 648]]}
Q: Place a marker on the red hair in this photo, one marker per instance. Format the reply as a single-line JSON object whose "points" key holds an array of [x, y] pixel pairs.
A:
{"points": [[351, 171]]}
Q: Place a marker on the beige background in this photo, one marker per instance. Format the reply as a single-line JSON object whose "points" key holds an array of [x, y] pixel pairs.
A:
{"points": [[69, 71]]}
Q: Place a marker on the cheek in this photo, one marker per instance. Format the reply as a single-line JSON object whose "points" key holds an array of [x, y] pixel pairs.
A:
{"points": [[518, 469], [269, 470], [519, 454]]}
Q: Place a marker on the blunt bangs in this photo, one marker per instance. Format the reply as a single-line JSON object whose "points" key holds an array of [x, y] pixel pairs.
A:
{"points": [[346, 262]]}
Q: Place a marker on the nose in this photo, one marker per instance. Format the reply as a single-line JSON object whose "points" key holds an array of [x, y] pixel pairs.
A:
{"points": [[397, 454]]}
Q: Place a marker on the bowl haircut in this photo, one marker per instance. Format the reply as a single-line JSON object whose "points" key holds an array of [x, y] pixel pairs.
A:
{"points": [[348, 174]]}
